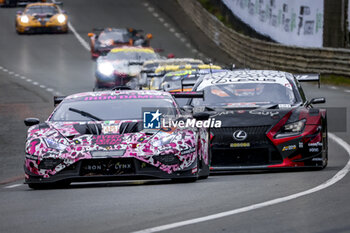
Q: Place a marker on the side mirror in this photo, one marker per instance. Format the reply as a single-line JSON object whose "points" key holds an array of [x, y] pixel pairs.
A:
{"points": [[201, 116], [31, 121], [319, 100], [90, 34], [19, 12]]}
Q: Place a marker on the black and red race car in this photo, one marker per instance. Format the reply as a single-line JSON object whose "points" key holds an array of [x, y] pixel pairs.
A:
{"points": [[103, 40], [266, 121]]}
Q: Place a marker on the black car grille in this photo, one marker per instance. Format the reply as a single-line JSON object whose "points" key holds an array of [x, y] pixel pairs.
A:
{"points": [[93, 167], [255, 135], [255, 150], [245, 157]]}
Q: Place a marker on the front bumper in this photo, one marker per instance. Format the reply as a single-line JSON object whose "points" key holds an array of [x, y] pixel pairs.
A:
{"points": [[259, 153], [83, 171], [42, 29]]}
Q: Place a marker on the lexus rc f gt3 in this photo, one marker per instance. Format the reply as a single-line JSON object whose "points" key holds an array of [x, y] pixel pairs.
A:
{"points": [[267, 122], [103, 40], [121, 66], [101, 135], [41, 17]]}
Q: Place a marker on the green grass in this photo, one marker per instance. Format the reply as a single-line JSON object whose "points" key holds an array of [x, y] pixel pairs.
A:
{"points": [[335, 80]]}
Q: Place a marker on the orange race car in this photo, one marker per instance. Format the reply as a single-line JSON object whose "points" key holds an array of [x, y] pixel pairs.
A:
{"points": [[41, 17], [17, 2]]}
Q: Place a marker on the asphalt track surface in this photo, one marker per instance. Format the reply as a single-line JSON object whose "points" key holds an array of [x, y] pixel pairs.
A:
{"points": [[36, 67]]}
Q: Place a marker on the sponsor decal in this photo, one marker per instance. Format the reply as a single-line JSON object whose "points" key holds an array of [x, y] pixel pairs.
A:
{"points": [[314, 149], [240, 135], [317, 159], [315, 144], [108, 139], [110, 129], [123, 97], [240, 145], [264, 113], [289, 148], [284, 106], [301, 145], [194, 170]]}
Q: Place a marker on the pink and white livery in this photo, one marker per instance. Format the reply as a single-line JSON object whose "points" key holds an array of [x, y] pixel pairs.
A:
{"points": [[104, 136]]}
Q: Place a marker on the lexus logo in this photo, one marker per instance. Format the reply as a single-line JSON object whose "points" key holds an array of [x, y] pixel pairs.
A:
{"points": [[240, 135]]}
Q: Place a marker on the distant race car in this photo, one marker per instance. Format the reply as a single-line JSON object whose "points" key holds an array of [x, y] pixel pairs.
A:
{"points": [[121, 66], [184, 80], [100, 136], [149, 67], [155, 79], [41, 17], [267, 123], [103, 40], [18, 2]]}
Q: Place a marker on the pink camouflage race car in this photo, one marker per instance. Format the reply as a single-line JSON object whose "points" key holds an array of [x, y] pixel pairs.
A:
{"points": [[112, 135]]}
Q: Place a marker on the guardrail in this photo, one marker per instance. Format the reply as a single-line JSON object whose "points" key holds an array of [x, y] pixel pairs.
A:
{"points": [[258, 54]]}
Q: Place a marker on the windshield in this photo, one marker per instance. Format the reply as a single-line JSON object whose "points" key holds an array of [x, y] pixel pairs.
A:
{"points": [[246, 93], [131, 55], [41, 10], [121, 109], [114, 36]]}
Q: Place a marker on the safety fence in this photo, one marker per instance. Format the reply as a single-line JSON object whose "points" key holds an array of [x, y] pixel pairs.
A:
{"points": [[260, 54]]}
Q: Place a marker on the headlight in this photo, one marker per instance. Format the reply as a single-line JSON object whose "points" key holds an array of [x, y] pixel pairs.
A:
{"points": [[105, 68], [54, 144], [163, 141], [291, 129], [24, 19], [61, 18]]}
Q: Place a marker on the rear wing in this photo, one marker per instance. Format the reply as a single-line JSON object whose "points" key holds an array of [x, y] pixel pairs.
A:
{"points": [[57, 100], [308, 78], [188, 94]]}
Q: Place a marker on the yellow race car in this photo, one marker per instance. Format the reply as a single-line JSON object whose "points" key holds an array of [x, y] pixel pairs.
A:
{"points": [[41, 17]]}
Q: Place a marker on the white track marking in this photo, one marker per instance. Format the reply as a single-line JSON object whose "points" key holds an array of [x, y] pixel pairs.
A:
{"points": [[348, 91], [42, 86], [35, 83], [333, 87], [5, 70], [337, 177], [29, 80], [161, 19], [12, 186], [11, 73], [80, 39]]}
